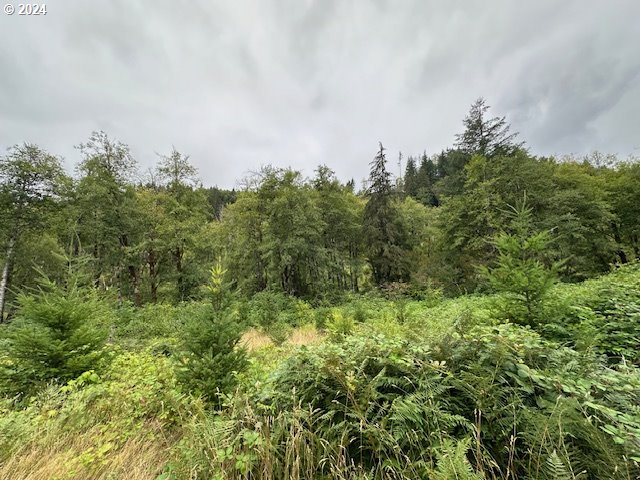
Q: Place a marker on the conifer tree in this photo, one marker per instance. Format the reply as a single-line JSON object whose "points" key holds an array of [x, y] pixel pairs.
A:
{"points": [[410, 178], [383, 229], [522, 271], [211, 355], [486, 136], [56, 335]]}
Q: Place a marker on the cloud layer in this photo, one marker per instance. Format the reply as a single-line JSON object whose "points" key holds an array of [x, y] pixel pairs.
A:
{"points": [[298, 83]]}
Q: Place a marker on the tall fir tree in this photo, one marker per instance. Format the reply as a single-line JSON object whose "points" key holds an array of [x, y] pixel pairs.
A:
{"points": [[426, 179], [486, 136], [410, 178], [383, 230]]}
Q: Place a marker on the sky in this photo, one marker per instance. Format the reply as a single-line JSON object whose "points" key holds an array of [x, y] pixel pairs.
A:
{"points": [[298, 83]]}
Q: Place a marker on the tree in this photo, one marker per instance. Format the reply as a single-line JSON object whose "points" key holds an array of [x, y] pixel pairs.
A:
{"points": [[450, 172], [383, 230], [624, 197], [340, 210], [56, 336], [486, 136], [176, 170], [30, 181], [107, 222], [410, 178], [218, 199], [521, 272], [425, 181], [578, 210], [152, 247], [211, 355], [292, 232], [186, 213]]}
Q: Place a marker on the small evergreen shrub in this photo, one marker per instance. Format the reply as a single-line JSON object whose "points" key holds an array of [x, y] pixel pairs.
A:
{"points": [[58, 333], [211, 356]]}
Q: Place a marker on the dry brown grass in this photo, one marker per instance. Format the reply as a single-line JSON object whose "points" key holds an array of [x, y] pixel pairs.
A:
{"points": [[139, 458], [306, 335], [252, 340]]}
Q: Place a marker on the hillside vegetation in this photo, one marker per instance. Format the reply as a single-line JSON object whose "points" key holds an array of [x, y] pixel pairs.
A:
{"points": [[477, 318], [430, 388]]}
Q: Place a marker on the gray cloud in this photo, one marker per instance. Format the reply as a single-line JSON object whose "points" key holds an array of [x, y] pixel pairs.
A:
{"points": [[245, 83]]}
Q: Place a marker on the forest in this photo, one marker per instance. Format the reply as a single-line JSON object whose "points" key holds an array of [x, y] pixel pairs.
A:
{"points": [[476, 316]]}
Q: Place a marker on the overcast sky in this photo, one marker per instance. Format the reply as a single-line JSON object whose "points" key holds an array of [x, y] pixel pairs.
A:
{"points": [[239, 84]]}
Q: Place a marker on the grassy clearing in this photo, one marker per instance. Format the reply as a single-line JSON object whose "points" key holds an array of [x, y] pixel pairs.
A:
{"points": [[253, 339]]}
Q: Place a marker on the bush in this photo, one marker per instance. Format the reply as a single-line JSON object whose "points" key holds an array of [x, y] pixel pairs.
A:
{"points": [[340, 326], [278, 332], [395, 408], [98, 426], [266, 306], [210, 356], [602, 315], [56, 336]]}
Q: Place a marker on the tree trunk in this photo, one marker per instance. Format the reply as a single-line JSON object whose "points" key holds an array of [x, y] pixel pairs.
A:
{"points": [[133, 276], [177, 255], [618, 240], [133, 273], [153, 275], [6, 272]]}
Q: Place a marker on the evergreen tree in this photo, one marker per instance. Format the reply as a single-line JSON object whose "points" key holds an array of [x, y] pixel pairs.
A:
{"points": [[410, 178], [486, 136], [522, 271], [56, 335], [211, 355], [383, 229], [426, 178]]}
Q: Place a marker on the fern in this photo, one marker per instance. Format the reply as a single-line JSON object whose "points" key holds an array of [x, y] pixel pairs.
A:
{"points": [[453, 463], [555, 468]]}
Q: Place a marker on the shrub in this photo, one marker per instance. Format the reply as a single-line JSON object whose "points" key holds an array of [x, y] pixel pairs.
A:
{"points": [[265, 307], [113, 425], [56, 336], [278, 332], [602, 315], [340, 326], [211, 356], [521, 272], [396, 408]]}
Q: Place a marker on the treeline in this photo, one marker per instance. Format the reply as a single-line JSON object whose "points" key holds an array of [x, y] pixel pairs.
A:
{"points": [[156, 239]]}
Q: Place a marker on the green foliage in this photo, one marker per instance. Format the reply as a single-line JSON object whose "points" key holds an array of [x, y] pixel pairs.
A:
{"points": [[31, 180], [135, 399], [452, 463], [278, 332], [484, 136], [601, 315], [520, 272], [499, 403], [57, 334], [400, 383], [211, 356], [340, 326], [383, 229]]}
